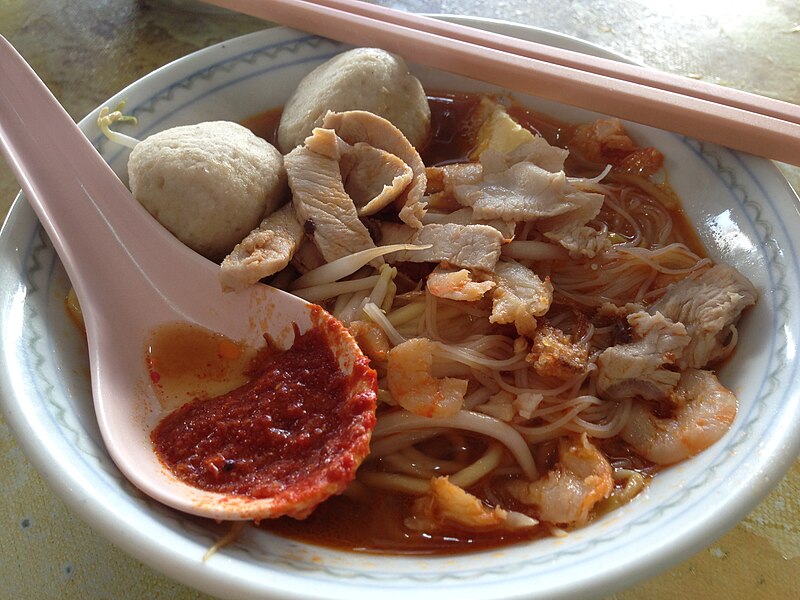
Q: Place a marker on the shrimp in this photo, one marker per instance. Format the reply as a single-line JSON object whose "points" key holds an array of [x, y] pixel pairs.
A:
{"points": [[448, 503], [412, 385], [705, 412], [565, 496], [372, 340], [457, 285]]}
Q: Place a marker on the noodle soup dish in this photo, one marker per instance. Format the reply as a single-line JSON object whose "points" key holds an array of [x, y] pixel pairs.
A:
{"points": [[576, 325]]}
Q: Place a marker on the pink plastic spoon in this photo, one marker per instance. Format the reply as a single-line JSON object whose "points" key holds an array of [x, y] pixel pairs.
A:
{"points": [[131, 276]]}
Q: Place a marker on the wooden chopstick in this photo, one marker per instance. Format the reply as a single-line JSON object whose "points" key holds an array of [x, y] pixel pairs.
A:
{"points": [[711, 118]]}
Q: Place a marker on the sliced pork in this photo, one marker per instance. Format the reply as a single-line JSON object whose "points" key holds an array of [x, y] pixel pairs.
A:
{"points": [[445, 177], [580, 240], [307, 257], [360, 126], [320, 200], [522, 192], [536, 151], [466, 246], [709, 306], [264, 252], [464, 216], [642, 368], [372, 177], [513, 188], [520, 297]]}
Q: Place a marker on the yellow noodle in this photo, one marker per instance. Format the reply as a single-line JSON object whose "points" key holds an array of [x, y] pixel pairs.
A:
{"points": [[480, 468], [395, 442], [404, 484], [399, 421]]}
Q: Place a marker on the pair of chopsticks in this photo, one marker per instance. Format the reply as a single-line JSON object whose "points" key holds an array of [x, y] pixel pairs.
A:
{"points": [[725, 116]]}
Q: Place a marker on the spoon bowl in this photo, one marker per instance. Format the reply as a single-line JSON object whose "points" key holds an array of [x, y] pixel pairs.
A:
{"points": [[131, 276]]}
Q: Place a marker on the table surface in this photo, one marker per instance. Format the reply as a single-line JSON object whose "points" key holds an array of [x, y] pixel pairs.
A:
{"points": [[86, 50]]}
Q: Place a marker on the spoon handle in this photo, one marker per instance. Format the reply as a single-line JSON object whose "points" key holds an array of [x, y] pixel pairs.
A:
{"points": [[95, 225]]}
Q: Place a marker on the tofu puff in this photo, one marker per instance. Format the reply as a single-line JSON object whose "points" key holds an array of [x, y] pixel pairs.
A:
{"points": [[209, 184], [367, 79]]}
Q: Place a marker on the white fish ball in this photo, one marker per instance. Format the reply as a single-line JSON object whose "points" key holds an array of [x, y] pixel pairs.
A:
{"points": [[367, 79], [209, 184]]}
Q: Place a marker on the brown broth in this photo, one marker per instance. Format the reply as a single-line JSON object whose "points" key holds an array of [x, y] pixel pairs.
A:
{"points": [[186, 362], [265, 124], [453, 127], [375, 526]]}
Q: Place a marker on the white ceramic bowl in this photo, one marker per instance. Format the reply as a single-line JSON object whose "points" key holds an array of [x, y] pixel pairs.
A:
{"points": [[747, 216]]}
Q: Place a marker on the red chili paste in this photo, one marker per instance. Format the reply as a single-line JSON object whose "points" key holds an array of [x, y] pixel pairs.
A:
{"points": [[293, 431]]}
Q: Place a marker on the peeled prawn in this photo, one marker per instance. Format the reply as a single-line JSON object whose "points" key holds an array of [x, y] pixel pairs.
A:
{"points": [[413, 386], [372, 340], [448, 503], [565, 496], [705, 412], [457, 285]]}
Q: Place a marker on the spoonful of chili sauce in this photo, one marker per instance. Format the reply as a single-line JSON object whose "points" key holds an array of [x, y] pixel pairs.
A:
{"points": [[296, 426], [293, 432]]}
